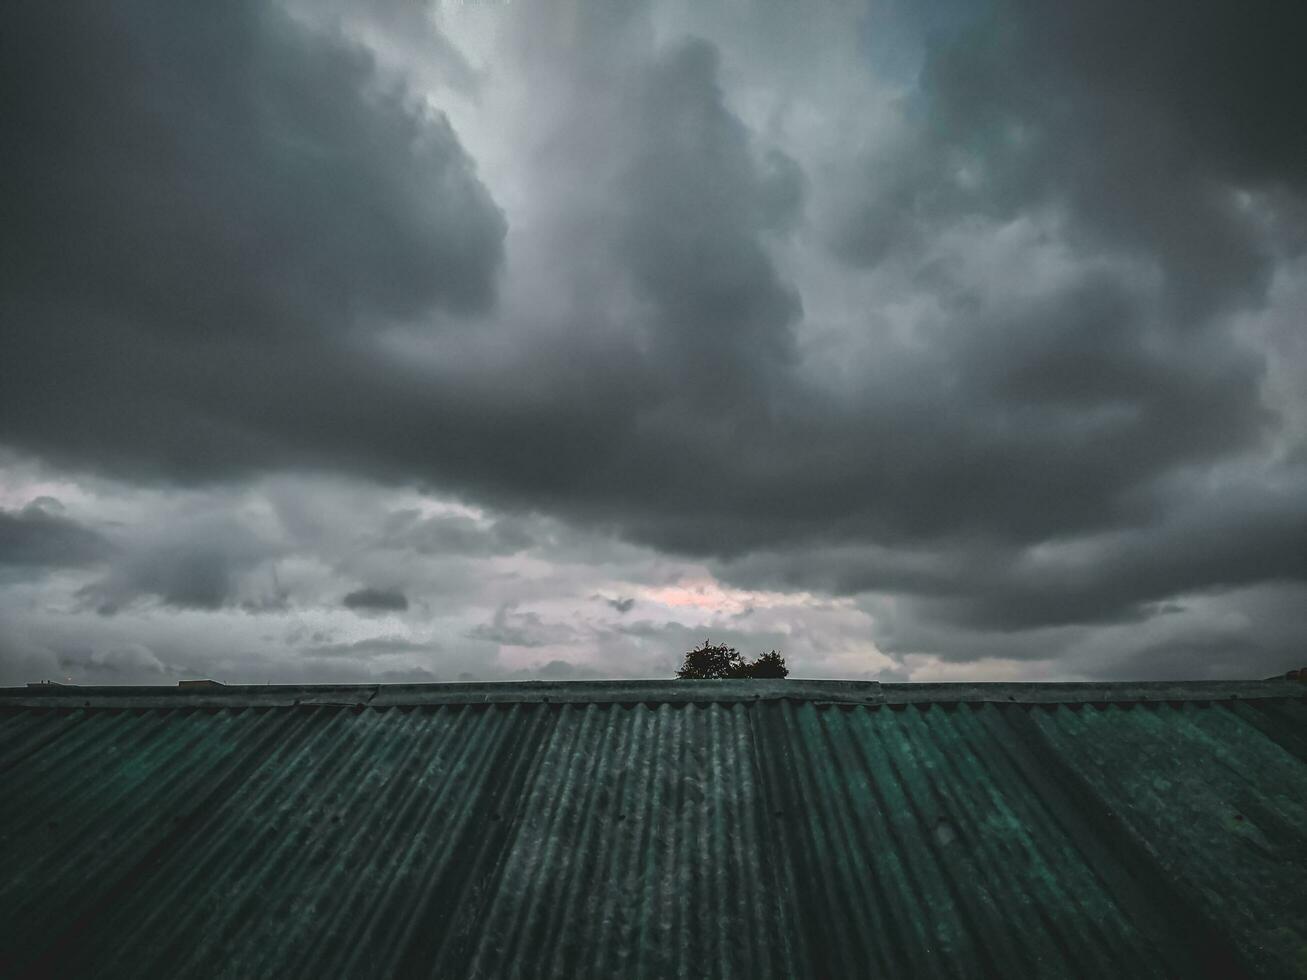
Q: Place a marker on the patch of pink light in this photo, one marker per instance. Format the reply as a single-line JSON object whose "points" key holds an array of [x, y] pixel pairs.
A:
{"points": [[707, 595]]}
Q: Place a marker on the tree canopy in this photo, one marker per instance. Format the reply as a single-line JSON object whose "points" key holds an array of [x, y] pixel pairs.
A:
{"points": [[717, 661]]}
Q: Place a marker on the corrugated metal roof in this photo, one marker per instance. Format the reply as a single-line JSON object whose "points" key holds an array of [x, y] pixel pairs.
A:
{"points": [[653, 830]]}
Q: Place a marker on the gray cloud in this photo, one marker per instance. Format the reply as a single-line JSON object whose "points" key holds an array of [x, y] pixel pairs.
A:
{"points": [[556, 670], [175, 576], [187, 561], [23, 661], [379, 600], [511, 628], [40, 535], [455, 534], [370, 649]]}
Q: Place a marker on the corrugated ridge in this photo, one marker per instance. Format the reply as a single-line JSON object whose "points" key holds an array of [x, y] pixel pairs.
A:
{"points": [[290, 859], [337, 905], [527, 930], [1111, 943], [568, 904], [1223, 811], [106, 830], [69, 950], [615, 868], [440, 859], [1106, 942], [973, 812], [245, 856], [185, 869], [27, 731]]}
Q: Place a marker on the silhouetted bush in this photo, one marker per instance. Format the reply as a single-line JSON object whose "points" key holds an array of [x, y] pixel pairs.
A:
{"points": [[769, 665], [710, 661], [720, 661]]}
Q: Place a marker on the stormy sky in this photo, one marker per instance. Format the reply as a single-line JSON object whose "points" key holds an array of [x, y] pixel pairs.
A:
{"points": [[371, 340]]}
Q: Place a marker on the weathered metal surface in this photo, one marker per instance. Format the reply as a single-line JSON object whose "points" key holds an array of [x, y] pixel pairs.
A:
{"points": [[654, 830]]}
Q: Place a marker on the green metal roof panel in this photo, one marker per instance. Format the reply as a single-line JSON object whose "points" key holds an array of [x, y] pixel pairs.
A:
{"points": [[686, 829]]}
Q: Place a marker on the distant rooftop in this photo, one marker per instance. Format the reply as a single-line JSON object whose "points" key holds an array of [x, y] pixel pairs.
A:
{"points": [[696, 828]]}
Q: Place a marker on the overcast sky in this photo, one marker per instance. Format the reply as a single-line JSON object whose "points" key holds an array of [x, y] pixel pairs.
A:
{"points": [[371, 340]]}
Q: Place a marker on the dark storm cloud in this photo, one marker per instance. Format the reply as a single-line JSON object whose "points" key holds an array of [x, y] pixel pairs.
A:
{"points": [[1253, 633], [1212, 655], [1013, 422], [38, 535], [175, 576], [204, 209], [1143, 125], [1225, 543], [697, 205], [377, 600], [224, 232], [1231, 537], [1250, 632]]}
